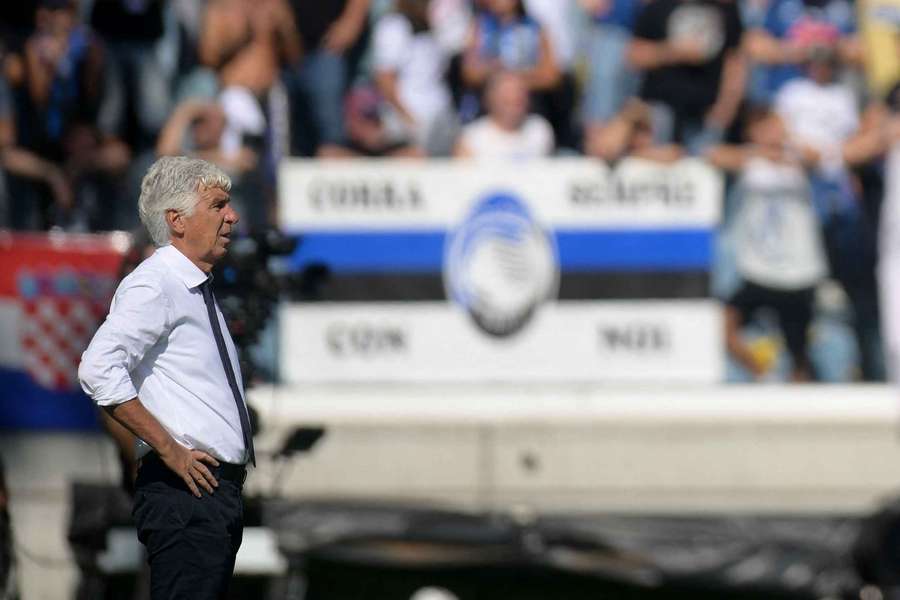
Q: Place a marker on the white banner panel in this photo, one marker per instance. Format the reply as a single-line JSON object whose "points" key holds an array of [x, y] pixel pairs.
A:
{"points": [[569, 193], [628, 341]]}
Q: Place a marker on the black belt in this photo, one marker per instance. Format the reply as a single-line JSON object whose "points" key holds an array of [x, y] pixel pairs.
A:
{"points": [[226, 471]]}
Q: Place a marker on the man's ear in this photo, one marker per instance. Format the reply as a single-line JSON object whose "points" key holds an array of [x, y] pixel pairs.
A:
{"points": [[176, 221]]}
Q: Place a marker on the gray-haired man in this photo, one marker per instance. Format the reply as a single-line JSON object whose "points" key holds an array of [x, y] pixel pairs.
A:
{"points": [[164, 366]]}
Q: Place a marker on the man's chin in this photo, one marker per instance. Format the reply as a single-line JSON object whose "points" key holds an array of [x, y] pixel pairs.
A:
{"points": [[217, 254]]}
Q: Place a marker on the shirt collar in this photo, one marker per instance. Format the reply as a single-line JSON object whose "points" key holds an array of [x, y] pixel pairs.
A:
{"points": [[189, 273]]}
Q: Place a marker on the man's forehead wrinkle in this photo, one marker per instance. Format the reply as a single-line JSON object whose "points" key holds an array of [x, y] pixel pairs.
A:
{"points": [[214, 197]]}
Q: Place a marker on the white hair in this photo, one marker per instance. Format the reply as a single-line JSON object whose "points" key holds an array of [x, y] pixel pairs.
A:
{"points": [[172, 183]]}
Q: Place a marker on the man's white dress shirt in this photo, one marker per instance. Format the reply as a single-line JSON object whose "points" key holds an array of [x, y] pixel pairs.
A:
{"points": [[157, 344]]}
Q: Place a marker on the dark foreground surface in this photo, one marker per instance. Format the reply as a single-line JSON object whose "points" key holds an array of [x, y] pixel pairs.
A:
{"points": [[338, 550]]}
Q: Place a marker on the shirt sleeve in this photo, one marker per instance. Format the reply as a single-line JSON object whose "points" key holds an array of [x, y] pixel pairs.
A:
{"points": [[138, 318], [389, 44]]}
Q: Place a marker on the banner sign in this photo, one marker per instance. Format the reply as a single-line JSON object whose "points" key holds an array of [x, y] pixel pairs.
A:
{"points": [[473, 272], [54, 291]]}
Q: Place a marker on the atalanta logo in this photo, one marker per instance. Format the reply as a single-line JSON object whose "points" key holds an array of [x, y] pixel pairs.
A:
{"points": [[500, 266]]}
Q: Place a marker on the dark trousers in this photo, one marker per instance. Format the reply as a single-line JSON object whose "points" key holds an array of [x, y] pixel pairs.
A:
{"points": [[191, 542]]}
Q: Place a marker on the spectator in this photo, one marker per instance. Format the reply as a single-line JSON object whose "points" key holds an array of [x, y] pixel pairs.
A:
{"points": [[131, 32], [367, 133], [629, 133], [822, 112], [332, 33], [779, 250], [558, 19], [64, 70], [246, 42], [819, 109], [20, 162], [409, 68], [196, 128], [64, 79], [508, 131], [505, 38], [779, 53], [689, 53], [610, 80]]}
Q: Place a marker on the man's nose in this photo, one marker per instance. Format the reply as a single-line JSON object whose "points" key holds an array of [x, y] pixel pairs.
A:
{"points": [[232, 216]]}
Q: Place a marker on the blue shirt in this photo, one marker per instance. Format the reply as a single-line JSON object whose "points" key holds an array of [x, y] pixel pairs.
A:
{"points": [[517, 44]]}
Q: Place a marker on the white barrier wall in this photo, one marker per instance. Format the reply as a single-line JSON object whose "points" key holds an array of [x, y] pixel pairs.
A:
{"points": [[804, 449]]}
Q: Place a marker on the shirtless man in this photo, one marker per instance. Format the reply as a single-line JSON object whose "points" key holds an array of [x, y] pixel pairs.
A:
{"points": [[247, 41]]}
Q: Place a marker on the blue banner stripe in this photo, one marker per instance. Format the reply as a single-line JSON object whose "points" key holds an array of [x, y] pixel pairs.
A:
{"points": [[24, 405], [364, 252], [640, 250], [423, 252]]}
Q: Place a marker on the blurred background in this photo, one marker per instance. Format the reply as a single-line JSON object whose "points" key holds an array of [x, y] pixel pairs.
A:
{"points": [[534, 298]]}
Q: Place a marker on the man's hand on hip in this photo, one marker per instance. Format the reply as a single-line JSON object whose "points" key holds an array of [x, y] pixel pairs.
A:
{"points": [[188, 464]]}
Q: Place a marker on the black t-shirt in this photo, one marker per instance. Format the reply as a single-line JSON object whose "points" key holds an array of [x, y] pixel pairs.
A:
{"points": [[689, 89], [128, 20], [314, 17]]}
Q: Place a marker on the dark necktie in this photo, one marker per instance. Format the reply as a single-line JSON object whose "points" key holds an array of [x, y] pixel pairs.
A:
{"points": [[229, 370]]}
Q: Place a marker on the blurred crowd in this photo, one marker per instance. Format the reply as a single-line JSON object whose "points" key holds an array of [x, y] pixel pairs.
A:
{"points": [[773, 92]]}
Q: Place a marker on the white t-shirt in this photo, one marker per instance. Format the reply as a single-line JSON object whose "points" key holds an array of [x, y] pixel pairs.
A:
{"points": [[484, 139], [820, 116], [778, 241], [419, 62]]}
